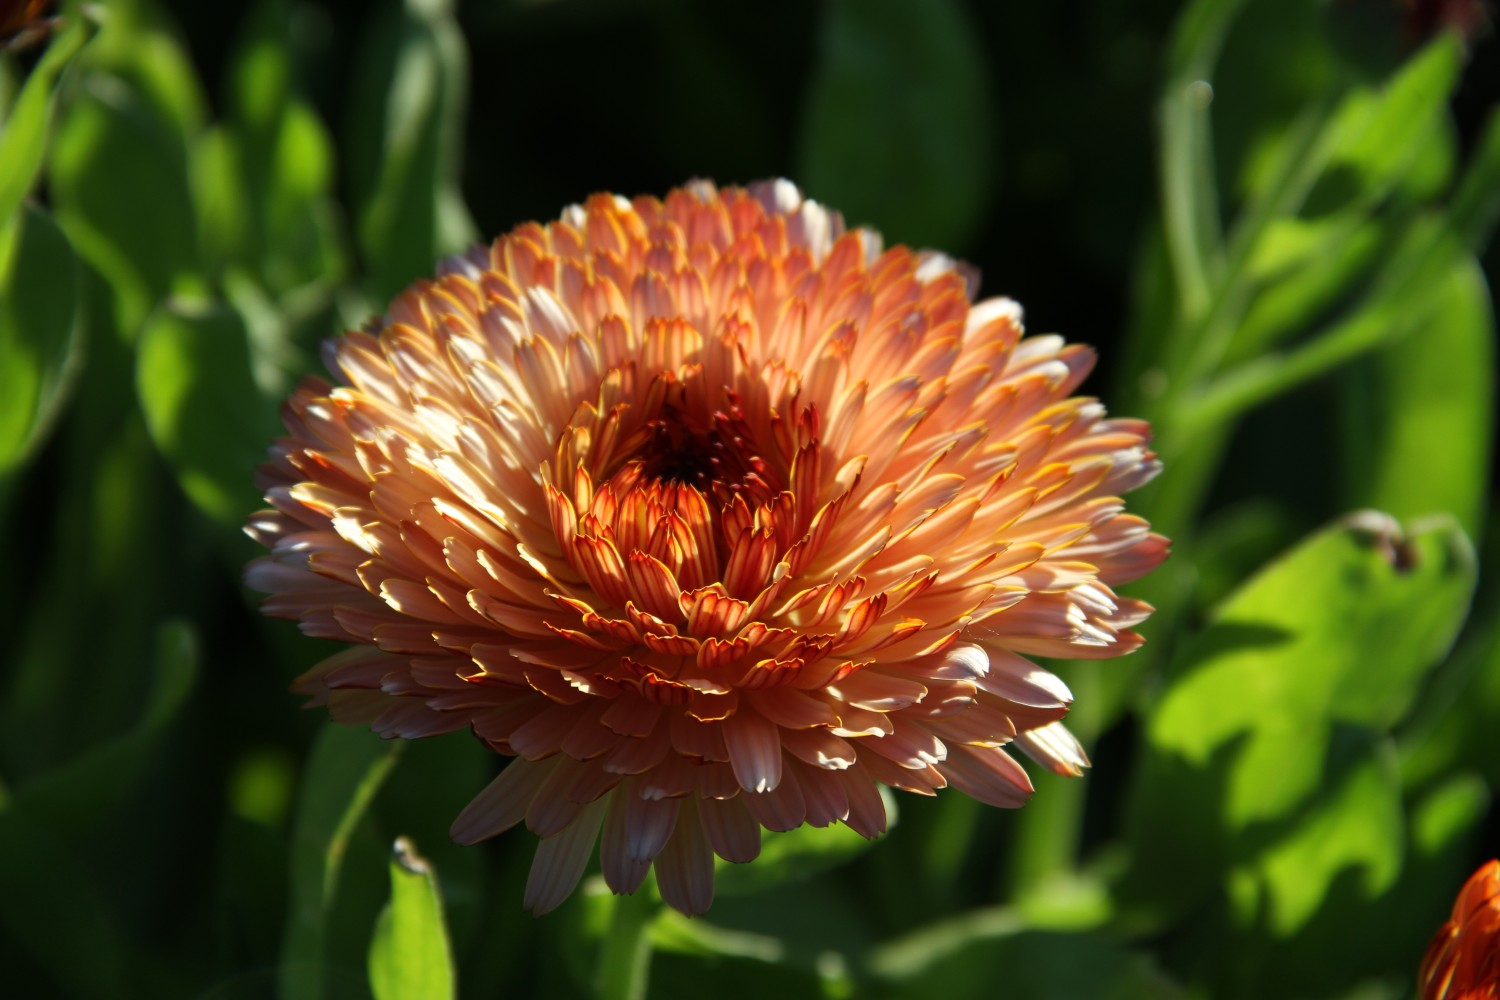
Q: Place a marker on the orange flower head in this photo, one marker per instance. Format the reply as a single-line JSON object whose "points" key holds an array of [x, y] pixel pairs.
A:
{"points": [[1463, 960], [715, 517]]}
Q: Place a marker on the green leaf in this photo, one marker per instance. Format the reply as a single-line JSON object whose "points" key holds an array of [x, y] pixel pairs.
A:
{"points": [[23, 136], [1379, 136], [1427, 402], [1315, 195], [1454, 724], [194, 381], [280, 171], [1445, 814], [43, 815], [1399, 297], [41, 343], [1337, 634], [409, 954], [1324, 909], [967, 957], [145, 244], [132, 47], [1355, 824], [436, 780], [1310, 267], [1476, 203], [344, 772], [405, 137], [224, 216], [896, 130]]}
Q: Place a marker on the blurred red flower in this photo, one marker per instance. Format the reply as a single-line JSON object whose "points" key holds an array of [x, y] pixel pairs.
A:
{"points": [[1463, 960]]}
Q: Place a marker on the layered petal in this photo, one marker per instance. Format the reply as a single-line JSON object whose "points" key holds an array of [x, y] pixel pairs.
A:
{"points": [[713, 515]]}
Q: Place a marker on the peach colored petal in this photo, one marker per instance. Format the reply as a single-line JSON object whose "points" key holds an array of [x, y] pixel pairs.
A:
{"points": [[714, 515]]}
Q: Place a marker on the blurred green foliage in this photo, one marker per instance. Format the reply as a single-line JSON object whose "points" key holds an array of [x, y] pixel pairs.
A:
{"points": [[1291, 781]]}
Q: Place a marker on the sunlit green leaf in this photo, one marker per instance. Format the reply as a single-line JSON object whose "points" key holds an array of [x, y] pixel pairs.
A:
{"points": [[343, 774], [1379, 136], [1338, 632], [1346, 249], [1427, 402], [1322, 910], [40, 341], [409, 954], [1453, 724], [1399, 297], [1356, 824], [1447, 812], [437, 778], [23, 133], [1303, 638], [204, 411], [896, 131], [404, 161]]}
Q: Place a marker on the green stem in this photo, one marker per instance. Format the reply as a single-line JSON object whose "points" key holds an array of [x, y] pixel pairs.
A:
{"points": [[345, 771], [1309, 144], [624, 967], [1190, 211]]}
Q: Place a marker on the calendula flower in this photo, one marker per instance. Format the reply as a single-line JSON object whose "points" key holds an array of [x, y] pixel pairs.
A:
{"points": [[1463, 960], [715, 517]]}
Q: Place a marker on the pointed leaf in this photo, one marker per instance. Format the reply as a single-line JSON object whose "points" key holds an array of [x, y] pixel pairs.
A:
{"points": [[409, 954], [40, 335], [405, 135], [145, 243], [204, 410], [23, 133], [1427, 402]]}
